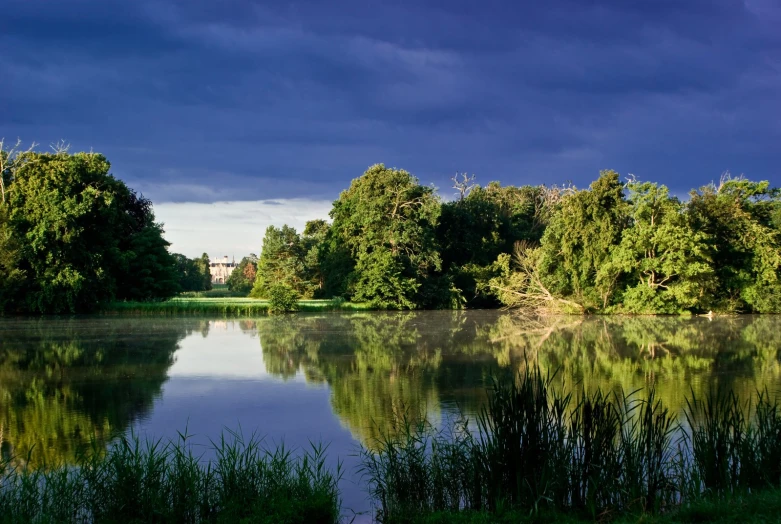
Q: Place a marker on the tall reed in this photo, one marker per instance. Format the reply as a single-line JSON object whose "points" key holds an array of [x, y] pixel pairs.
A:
{"points": [[533, 448], [167, 482], [735, 446]]}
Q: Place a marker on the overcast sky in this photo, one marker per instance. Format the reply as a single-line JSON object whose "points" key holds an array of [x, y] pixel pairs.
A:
{"points": [[204, 101]]}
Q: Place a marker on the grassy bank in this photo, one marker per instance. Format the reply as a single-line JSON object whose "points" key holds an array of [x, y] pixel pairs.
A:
{"points": [[217, 291], [224, 307]]}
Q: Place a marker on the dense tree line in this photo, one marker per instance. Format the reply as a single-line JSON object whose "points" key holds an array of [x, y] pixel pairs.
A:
{"points": [[617, 246], [73, 237]]}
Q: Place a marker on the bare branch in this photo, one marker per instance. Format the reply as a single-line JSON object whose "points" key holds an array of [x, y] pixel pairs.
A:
{"points": [[11, 161], [60, 147], [546, 200], [464, 185]]}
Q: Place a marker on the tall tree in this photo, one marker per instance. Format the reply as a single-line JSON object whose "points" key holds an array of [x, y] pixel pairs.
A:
{"points": [[203, 264], [327, 261], [388, 220], [484, 223], [150, 272], [313, 240], [740, 218], [243, 277], [583, 229], [80, 236], [193, 273], [661, 257], [282, 263], [11, 277]]}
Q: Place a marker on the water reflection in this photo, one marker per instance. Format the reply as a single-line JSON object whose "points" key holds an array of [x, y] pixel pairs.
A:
{"points": [[67, 383], [381, 364]]}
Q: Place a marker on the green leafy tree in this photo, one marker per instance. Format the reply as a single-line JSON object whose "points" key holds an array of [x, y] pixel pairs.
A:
{"points": [[11, 277], [328, 260], [313, 241], [81, 236], [583, 229], [485, 223], [243, 277], [282, 261], [776, 216], [193, 273], [663, 259], [388, 220], [151, 270], [282, 298], [204, 263], [740, 218], [62, 208]]}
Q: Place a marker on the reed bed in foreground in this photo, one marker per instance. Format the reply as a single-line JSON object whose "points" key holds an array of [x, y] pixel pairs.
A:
{"points": [[533, 452], [534, 449], [156, 482]]}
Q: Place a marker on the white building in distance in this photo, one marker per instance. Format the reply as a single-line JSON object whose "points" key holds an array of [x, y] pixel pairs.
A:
{"points": [[220, 269]]}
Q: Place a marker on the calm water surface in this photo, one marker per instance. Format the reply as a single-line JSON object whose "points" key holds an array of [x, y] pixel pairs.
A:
{"points": [[338, 378]]}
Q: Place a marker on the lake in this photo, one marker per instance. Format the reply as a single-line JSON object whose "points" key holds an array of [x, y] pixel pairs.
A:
{"points": [[339, 378]]}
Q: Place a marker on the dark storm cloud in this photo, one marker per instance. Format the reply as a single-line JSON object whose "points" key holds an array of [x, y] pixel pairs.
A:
{"points": [[237, 100]]}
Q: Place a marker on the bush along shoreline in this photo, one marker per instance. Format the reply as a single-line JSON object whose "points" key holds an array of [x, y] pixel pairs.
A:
{"points": [[533, 453]]}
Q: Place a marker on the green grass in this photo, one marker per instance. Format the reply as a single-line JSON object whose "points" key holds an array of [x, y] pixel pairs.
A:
{"points": [[217, 291], [225, 307], [156, 482]]}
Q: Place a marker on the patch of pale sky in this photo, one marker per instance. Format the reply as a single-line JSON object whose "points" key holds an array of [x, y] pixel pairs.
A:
{"points": [[234, 229]]}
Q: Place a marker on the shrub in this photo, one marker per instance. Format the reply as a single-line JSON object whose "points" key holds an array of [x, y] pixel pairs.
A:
{"points": [[282, 298]]}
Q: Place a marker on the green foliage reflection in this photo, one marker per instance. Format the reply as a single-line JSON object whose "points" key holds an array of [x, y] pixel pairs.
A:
{"points": [[381, 365], [66, 385]]}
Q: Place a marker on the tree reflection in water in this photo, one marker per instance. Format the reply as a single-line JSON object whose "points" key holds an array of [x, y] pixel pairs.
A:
{"points": [[69, 386], [380, 365]]}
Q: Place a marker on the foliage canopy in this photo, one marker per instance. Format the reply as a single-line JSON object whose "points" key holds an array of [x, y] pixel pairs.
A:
{"points": [[72, 237], [617, 246]]}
